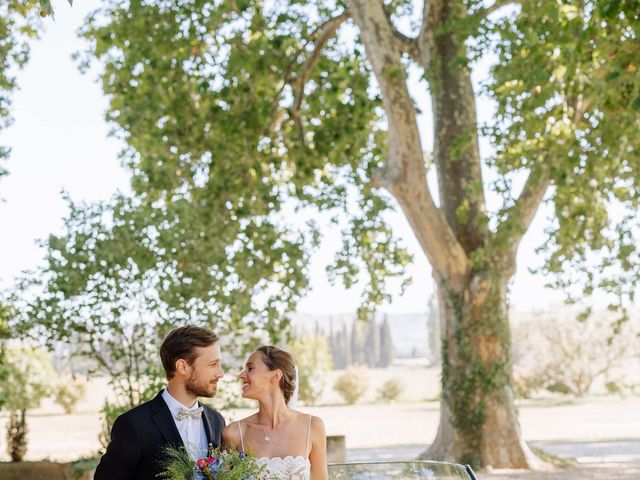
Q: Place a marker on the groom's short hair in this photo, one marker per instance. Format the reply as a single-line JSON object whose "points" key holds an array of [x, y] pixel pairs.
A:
{"points": [[181, 343]]}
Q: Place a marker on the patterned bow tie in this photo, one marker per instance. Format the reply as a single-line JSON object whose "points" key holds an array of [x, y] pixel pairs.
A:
{"points": [[183, 413]]}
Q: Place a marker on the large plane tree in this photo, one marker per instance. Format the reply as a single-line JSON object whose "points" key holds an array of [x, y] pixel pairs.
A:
{"points": [[243, 117]]}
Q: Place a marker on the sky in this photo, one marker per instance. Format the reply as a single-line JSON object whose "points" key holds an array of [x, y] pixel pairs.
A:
{"points": [[60, 143]]}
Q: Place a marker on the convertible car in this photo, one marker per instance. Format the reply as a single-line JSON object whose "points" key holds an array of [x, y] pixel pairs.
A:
{"points": [[412, 470]]}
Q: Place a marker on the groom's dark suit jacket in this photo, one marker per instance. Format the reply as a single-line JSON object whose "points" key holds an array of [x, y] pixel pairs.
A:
{"points": [[139, 436]]}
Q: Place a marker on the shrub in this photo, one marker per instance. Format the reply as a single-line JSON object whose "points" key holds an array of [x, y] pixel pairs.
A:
{"points": [[352, 384], [69, 391], [562, 355], [313, 358], [559, 387], [27, 380], [391, 390], [109, 414]]}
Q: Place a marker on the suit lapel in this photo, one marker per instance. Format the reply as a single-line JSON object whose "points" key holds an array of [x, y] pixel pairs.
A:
{"points": [[210, 427], [162, 418]]}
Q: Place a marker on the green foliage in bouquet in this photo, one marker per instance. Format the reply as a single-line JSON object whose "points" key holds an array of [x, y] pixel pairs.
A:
{"points": [[219, 464], [177, 464]]}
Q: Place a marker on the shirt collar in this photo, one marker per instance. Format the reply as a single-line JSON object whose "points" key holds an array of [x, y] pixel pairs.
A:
{"points": [[174, 405]]}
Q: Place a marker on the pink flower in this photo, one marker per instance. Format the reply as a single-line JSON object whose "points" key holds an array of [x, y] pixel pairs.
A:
{"points": [[211, 459], [202, 463]]}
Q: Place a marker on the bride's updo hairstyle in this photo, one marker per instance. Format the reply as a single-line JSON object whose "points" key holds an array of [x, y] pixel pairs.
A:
{"points": [[276, 358]]}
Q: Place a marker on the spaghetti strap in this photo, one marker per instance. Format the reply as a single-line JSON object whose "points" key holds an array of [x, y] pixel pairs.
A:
{"points": [[241, 439], [309, 436]]}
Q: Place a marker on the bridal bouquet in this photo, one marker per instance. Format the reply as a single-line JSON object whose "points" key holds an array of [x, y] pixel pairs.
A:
{"points": [[219, 464]]}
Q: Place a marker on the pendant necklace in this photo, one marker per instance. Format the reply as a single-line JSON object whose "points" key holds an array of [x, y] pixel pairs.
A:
{"points": [[266, 437]]}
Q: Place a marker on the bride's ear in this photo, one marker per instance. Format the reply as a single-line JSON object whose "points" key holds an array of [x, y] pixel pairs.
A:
{"points": [[276, 375]]}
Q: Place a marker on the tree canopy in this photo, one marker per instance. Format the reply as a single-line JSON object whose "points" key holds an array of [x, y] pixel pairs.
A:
{"points": [[19, 22], [568, 99], [309, 131]]}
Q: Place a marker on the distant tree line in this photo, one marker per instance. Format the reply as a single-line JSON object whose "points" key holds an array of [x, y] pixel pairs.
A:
{"points": [[362, 343]]}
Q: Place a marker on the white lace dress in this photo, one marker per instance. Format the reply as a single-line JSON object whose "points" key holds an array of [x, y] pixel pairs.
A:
{"points": [[286, 468]]}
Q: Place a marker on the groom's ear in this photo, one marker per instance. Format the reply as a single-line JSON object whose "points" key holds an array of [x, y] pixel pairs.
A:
{"points": [[181, 366]]}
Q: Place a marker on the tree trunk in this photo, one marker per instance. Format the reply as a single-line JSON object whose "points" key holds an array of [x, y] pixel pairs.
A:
{"points": [[471, 264], [17, 435], [478, 418]]}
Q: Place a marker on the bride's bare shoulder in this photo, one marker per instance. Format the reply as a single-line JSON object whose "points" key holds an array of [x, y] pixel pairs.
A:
{"points": [[231, 435], [316, 422], [234, 429], [250, 420], [317, 426]]}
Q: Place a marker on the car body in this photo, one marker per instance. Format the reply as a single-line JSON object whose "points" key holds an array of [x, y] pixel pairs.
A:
{"points": [[400, 470]]}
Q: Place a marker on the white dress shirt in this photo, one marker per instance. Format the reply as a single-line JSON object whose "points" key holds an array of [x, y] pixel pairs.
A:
{"points": [[191, 431]]}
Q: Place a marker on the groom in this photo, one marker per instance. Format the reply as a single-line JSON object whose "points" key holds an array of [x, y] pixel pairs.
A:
{"points": [[191, 359]]}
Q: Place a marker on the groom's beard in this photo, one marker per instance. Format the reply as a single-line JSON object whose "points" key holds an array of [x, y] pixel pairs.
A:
{"points": [[200, 388]]}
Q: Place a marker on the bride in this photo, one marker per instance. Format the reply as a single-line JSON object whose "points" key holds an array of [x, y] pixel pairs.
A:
{"points": [[291, 444]]}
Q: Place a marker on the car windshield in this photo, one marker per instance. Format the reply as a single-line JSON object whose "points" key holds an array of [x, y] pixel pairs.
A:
{"points": [[414, 470]]}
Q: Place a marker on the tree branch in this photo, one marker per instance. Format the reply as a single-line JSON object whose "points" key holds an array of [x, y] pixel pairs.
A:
{"points": [[425, 40], [404, 173], [326, 31], [97, 355], [405, 43], [485, 12], [278, 114], [408, 45], [323, 33], [521, 214]]}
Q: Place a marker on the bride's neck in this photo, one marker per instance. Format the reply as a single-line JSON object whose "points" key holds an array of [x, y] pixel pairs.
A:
{"points": [[273, 412]]}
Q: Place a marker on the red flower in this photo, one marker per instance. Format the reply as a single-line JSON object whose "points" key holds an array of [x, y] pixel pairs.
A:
{"points": [[211, 460], [202, 463]]}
